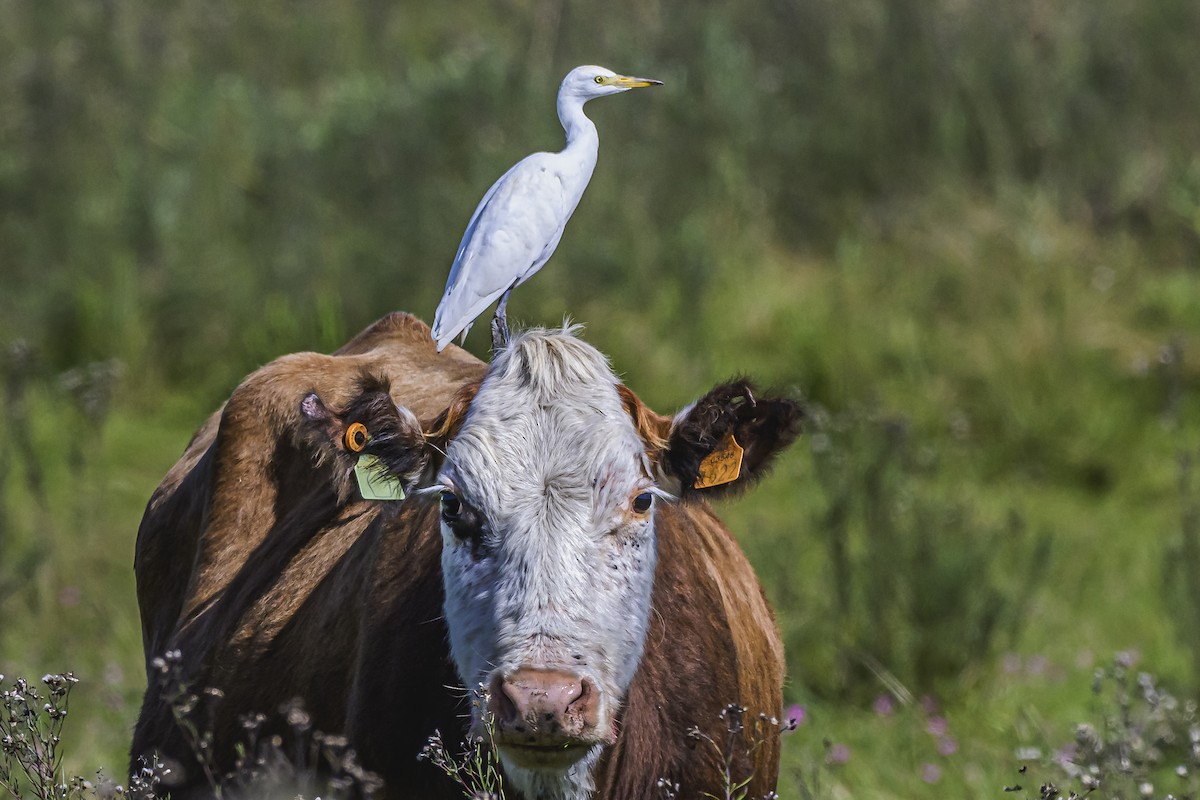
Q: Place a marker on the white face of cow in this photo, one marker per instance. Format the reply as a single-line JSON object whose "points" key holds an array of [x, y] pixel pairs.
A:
{"points": [[548, 556]]}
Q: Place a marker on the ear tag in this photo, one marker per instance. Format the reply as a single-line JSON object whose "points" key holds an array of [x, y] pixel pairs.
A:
{"points": [[374, 480], [356, 437], [722, 465]]}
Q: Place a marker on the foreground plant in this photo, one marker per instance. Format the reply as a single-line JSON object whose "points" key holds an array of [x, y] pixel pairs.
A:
{"points": [[1146, 743], [475, 769], [31, 722], [759, 731], [282, 755]]}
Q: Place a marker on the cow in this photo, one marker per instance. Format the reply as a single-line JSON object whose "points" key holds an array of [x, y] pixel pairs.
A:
{"points": [[555, 550]]}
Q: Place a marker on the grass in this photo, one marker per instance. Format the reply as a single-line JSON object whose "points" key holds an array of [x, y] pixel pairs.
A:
{"points": [[976, 224], [1022, 352]]}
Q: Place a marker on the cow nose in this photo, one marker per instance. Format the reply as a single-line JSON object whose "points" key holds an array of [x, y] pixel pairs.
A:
{"points": [[543, 706]]}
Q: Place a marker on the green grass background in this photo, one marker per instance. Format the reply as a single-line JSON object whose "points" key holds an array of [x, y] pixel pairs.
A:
{"points": [[977, 224]]}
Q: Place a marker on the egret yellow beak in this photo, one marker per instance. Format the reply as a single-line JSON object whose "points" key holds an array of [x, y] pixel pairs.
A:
{"points": [[626, 82]]}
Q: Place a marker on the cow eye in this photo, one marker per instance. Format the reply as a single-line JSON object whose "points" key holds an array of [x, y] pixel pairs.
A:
{"points": [[464, 521], [451, 506], [642, 503]]}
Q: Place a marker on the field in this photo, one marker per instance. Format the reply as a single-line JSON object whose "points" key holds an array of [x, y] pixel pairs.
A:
{"points": [[968, 237]]}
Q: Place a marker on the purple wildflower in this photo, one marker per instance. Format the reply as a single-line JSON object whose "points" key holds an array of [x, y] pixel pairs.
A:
{"points": [[931, 773], [839, 754], [1128, 658]]}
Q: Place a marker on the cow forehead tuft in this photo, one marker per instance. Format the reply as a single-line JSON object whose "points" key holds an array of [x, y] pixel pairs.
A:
{"points": [[547, 412], [549, 363]]}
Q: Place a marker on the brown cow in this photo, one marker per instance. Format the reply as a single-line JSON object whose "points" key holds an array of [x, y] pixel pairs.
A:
{"points": [[553, 548]]}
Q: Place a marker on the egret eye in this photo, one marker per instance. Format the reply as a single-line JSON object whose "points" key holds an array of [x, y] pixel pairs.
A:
{"points": [[642, 503], [599, 79], [451, 506]]}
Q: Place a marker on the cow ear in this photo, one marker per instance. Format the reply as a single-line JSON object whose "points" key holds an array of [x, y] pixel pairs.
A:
{"points": [[727, 439], [318, 418]]}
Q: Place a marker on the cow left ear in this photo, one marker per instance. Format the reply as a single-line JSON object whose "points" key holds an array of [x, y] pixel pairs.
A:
{"points": [[727, 439]]}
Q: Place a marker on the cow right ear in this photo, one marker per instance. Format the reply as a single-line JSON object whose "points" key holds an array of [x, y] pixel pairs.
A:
{"points": [[727, 439]]}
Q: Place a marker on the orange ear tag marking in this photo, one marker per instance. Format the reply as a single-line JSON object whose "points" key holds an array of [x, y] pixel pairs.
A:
{"points": [[722, 465], [356, 437]]}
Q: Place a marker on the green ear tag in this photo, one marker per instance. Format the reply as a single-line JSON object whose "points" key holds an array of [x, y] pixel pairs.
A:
{"points": [[374, 480]]}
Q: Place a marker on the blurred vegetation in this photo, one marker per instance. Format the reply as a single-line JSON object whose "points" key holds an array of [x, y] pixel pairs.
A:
{"points": [[969, 232]]}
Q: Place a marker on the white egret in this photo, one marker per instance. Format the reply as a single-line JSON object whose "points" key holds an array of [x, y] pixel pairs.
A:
{"points": [[520, 220]]}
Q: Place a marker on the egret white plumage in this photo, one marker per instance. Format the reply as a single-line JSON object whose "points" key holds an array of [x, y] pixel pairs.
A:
{"points": [[520, 220]]}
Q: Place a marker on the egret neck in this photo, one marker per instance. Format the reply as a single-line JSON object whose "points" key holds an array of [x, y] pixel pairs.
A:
{"points": [[583, 143]]}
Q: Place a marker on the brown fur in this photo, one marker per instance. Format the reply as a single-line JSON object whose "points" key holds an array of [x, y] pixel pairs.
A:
{"points": [[446, 426], [275, 581], [653, 428]]}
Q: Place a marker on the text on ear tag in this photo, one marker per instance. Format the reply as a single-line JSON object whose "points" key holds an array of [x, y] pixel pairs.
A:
{"points": [[722, 465], [374, 480]]}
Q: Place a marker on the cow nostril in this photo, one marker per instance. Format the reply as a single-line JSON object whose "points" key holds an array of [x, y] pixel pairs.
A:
{"points": [[502, 706], [586, 691]]}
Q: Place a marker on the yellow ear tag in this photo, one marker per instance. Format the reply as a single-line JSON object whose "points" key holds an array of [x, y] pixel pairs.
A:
{"points": [[356, 437], [722, 465], [374, 480]]}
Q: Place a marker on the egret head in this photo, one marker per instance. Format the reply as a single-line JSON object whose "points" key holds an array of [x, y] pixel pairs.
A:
{"points": [[591, 81]]}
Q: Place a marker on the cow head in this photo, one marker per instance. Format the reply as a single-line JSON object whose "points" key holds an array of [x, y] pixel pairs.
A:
{"points": [[548, 492]]}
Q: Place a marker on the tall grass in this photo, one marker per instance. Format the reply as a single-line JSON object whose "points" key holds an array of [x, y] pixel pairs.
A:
{"points": [[208, 179]]}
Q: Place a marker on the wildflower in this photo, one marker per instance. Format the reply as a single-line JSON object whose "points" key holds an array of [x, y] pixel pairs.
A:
{"points": [[947, 745], [883, 705], [839, 754], [1127, 658], [795, 713], [931, 773], [929, 704], [1066, 757], [937, 726]]}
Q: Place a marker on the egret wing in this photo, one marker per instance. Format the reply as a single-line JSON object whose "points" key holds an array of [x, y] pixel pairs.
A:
{"points": [[509, 236]]}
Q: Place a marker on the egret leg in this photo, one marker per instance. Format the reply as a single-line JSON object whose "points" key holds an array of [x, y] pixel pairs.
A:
{"points": [[500, 333]]}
